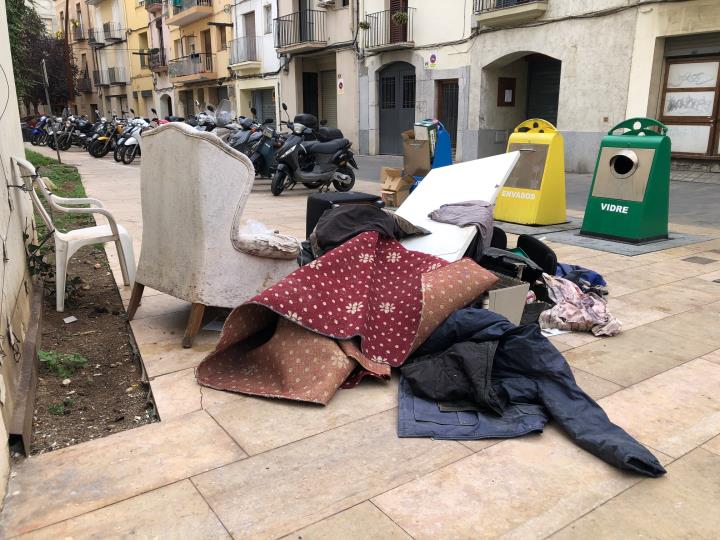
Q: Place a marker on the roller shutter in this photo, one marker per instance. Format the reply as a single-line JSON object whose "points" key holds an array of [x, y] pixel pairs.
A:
{"points": [[328, 98]]}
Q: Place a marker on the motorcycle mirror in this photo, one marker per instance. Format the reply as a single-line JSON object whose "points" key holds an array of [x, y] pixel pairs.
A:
{"points": [[211, 108], [132, 111], [323, 122], [253, 110], [153, 111], [284, 107], [269, 121], [197, 103]]}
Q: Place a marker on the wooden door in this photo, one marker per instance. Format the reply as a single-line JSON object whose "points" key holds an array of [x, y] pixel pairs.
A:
{"points": [[398, 32]]}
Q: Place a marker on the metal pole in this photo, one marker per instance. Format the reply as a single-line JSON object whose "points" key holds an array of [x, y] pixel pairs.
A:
{"points": [[46, 84]]}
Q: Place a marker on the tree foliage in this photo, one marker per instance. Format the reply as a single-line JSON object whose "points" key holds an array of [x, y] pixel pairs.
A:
{"points": [[29, 45]]}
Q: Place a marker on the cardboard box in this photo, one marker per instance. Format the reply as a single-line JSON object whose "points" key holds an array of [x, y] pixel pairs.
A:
{"points": [[427, 130], [416, 154], [507, 297], [395, 186]]}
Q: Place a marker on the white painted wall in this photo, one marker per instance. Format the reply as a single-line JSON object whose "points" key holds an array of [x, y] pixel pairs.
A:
{"points": [[654, 24], [268, 56], [15, 218]]}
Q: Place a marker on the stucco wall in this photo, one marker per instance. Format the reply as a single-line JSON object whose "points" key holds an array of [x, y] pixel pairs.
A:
{"points": [[15, 219], [654, 23], [595, 55]]}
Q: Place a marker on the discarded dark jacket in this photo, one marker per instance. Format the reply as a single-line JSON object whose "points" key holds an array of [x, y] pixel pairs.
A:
{"points": [[588, 280], [464, 214], [338, 225], [480, 356]]}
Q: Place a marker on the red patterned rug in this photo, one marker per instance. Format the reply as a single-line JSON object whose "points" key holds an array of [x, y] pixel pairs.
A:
{"points": [[369, 302]]}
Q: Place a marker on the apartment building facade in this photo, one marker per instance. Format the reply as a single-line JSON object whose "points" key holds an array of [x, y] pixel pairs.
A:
{"points": [[316, 44], [141, 87], [200, 31], [253, 60], [87, 99], [160, 55]]}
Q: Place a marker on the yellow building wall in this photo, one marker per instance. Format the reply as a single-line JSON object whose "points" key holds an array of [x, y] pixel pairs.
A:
{"points": [[141, 78]]}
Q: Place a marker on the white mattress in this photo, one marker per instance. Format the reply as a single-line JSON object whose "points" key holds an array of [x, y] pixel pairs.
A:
{"points": [[481, 179]]}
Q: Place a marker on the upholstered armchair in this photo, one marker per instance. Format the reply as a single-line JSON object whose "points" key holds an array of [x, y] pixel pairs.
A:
{"points": [[194, 189]]}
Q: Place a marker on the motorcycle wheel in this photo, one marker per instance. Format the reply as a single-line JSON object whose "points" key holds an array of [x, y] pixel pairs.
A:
{"points": [[280, 181], [51, 142], [35, 139], [65, 143], [101, 149], [118, 153], [345, 186], [129, 155]]}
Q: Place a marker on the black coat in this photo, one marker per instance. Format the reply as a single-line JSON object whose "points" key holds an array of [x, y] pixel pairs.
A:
{"points": [[479, 356]]}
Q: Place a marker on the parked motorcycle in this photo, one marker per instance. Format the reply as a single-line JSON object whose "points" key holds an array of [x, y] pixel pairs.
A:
{"points": [[314, 163], [39, 133], [105, 138], [264, 151]]}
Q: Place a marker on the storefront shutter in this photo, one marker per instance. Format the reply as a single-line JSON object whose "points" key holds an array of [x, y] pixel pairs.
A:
{"points": [[697, 44], [328, 98]]}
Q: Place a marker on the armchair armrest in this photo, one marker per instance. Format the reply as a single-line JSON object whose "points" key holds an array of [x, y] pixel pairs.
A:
{"points": [[72, 201], [54, 201]]}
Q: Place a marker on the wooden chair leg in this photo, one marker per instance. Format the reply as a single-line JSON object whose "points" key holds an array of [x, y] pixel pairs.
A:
{"points": [[135, 298], [193, 324]]}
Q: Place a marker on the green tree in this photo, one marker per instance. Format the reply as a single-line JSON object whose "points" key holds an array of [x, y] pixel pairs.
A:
{"points": [[29, 45]]}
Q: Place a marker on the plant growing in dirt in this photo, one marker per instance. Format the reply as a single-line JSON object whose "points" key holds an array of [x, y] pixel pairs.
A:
{"points": [[59, 409], [63, 364]]}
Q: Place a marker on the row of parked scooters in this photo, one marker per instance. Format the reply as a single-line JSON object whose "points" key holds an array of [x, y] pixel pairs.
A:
{"points": [[309, 153]]}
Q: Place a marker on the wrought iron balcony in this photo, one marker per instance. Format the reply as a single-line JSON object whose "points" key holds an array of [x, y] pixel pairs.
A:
{"points": [[196, 66], [153, 6], [389, 29], [78, 34], [245, 50], [83, 83], [113, 31], [158, 60], [117, 75], [101, 77], [188, 11], [506, 12], [96, 37], [300, 31]]}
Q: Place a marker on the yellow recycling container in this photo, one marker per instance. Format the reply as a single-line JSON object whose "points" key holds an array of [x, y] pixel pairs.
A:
{"points": [[534, 193]]}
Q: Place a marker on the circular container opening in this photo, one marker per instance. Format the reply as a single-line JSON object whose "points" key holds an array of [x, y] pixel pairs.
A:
{"points": [[624, 164]]}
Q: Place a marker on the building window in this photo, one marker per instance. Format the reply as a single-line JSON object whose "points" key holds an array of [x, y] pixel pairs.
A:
{"points": [[222, 37], [267, 17], [345, 3]]}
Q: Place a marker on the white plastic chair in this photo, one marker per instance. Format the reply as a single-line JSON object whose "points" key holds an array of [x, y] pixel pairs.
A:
{"points": [[67, 243]]}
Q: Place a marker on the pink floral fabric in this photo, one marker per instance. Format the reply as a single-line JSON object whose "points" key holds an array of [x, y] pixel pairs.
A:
{"points": [[373, 296]]}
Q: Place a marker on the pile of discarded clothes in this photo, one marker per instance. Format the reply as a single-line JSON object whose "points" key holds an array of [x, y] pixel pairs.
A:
{"points": [[361, 304]]}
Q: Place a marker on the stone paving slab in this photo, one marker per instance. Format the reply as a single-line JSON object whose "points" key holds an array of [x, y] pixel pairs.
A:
{"points": [[66, 483], [174, 511]]}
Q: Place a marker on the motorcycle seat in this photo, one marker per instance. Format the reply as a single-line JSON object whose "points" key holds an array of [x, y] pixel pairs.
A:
{"points": [[330, 134], [329, 147]]}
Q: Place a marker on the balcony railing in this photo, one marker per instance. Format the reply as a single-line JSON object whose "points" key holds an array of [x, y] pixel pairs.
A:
{"points": [[113, 31], [307, 26], [193, 64], [153, 6], [78, 34], [101, 77], [389, 29], [245, 49], [96, 37], [158, 60], [83, 83], [117, 75], [182, 5]]}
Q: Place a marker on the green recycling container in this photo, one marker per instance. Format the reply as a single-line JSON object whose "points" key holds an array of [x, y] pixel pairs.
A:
{"points": [[630, 192]]}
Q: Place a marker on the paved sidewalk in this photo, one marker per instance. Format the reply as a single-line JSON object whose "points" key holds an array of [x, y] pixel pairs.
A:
{"points": [[221, 465]]}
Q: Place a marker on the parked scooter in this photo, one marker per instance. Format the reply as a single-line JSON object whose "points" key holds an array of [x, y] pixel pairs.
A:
{"points": [[132, 143], [264, 151], [314, 163], [248, 136]]}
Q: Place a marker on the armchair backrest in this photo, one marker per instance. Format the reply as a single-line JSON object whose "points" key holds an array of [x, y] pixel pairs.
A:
{"points": [[193, 190]]}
